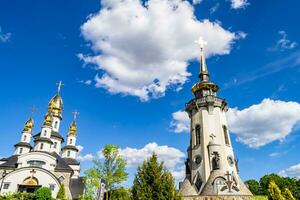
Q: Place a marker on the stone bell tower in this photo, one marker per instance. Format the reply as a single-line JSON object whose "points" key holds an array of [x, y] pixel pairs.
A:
{"points": [[211, 169]]}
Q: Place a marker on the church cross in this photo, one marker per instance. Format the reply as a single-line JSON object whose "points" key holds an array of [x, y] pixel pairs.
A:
{"points": [[212, 136], [201, 42], [60, 84], [32, 172], [228, 175], [75, 113]]}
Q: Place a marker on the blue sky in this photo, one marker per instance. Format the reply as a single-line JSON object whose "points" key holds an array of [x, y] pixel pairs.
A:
{"points": [[128, 68]]}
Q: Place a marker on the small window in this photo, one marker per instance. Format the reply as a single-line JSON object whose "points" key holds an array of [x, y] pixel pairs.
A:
{"points": [[21, 150], [42, 146], [68, 154], [226, 137], [71, 141], [25, 137], [56, 124], [61, 179], [55, 145], [198, 134], [52, 187], [45, 133], [6, 186], [36, 163]]}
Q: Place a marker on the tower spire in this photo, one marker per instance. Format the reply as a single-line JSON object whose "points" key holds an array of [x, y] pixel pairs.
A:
{"points": [[203, 74], [60, 84]]}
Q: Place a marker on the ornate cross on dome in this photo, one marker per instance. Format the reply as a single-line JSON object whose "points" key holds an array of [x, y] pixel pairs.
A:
{"points": [[32, 172], [60, 84], [201, 42], [75, 114]]}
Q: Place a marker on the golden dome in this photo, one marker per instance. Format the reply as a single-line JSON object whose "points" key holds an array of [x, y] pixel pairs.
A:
{"points": [[55, 106], [48, 119], [28, 125], [72, 129]]}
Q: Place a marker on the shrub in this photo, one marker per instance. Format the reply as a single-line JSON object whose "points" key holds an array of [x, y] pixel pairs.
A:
{"points": [[43, 193]]}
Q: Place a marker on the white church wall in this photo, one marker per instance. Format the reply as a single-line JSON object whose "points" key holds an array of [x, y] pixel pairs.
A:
{"points": [[50, 161]]}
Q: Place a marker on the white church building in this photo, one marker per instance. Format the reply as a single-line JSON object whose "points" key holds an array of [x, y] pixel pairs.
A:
{"points": [[43, 162]]}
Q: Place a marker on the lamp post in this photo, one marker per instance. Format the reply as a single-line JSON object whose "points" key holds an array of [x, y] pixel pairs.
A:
{"points": [[3, 176]]}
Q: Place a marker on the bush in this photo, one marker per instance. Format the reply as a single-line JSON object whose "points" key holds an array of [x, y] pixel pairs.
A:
{"points": [[43, 193], [61, 194]]}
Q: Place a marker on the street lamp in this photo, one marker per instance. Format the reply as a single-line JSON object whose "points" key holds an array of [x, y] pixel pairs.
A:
{"points": [[3, 176]]}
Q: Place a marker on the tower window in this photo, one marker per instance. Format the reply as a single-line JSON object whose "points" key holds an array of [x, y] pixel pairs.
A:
{"points": [[45, 133], [226, 137], [6, 186], [42, 146], [21, 150], [25, 137], [55, 124], [68, 154], [55, 145], [198, 134], [71, 141]]}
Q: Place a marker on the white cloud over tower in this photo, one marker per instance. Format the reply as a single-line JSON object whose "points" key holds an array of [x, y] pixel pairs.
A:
{"points": [[142, 49]]}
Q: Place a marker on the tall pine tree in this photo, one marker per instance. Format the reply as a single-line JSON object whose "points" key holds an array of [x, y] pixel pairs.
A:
{"points": [[153, 182], [61, 194]]}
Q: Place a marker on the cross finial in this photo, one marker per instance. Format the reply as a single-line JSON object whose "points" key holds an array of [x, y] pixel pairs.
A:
{"points": [[212, 136], [75, 114], [201, 42], [32, 173], [60, 84]]}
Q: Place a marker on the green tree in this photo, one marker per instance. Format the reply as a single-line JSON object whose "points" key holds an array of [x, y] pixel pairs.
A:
{"points": [[121, 194], [153, 182], [43, 193], [293, 186], [254, 187], [274, 193], [288, 195], [61, 194], [265, 182], [112, 170]]}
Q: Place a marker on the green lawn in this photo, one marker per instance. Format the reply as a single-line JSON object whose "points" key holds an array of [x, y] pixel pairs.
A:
{"points": [[259, 198]]}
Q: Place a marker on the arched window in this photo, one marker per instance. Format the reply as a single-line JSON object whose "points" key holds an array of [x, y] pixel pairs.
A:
{"points": [[198, 134], [69, 153], [42, 146], [55, 124], [45, 133], [25, 137], [55, 145], [21, 150], [226, 137], [71, 141]]}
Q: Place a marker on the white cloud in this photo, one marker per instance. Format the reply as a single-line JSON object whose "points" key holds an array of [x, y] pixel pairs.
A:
{"points": [[293, 171], [197, 2], [283, 43], [180, 122], [172, 157], [263, 123], [82, 158], [4, 37], [237, 4], [144, 49]]}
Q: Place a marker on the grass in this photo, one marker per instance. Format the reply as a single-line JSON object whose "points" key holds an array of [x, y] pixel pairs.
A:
{"points": [[259, 198]]}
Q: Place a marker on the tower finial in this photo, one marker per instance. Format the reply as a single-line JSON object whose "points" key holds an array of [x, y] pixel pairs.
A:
{"points": [[60, 84], [75, 114], [203, 74]]}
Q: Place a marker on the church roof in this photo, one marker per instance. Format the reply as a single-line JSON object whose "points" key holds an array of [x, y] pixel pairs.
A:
{"points": [[76, 187], [10, 162], [71, 147], [53, 134], [71, 161], [61, 164], [43, 139], [23, 144]]}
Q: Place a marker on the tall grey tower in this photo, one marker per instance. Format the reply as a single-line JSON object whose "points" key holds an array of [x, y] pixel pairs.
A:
{"points": [[211, 169]]}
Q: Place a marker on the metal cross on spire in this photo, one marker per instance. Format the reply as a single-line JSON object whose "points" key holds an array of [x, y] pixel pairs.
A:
{"points": [[203, 75], [201, 42], [60, 84], [75, 114]]}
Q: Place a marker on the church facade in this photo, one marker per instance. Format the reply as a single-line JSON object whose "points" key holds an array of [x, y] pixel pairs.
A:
{"points": [[211, 168], [44, 162]]}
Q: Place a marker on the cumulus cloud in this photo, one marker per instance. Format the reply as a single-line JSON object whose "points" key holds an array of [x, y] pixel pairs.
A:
{"points": [[283, 43], [197, 2], [263, 123], [180, 122], [293, 171], [172, 157], [143, 49], [85, 157], [237, 4], [4, 37]]}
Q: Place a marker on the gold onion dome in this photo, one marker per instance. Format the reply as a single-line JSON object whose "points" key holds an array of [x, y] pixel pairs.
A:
{"points": [[48, 119], [28, 125], [55, 106], [72, 129]]}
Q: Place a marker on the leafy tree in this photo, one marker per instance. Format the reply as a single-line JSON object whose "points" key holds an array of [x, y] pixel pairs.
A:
{"points": [[274, 193], [61, 194], [288, 195], [293, 186], [121, 194], [153, 182], [43, 193], [254, 187], [112, 170], [265, 182]]}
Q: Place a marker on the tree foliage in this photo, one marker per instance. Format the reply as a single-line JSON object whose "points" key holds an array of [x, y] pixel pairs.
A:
{"points": [[274, 193], [288, 195], [153, 182], [61, 194], [254, 187], [43, 193], [121, 194], [112, 170]]}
